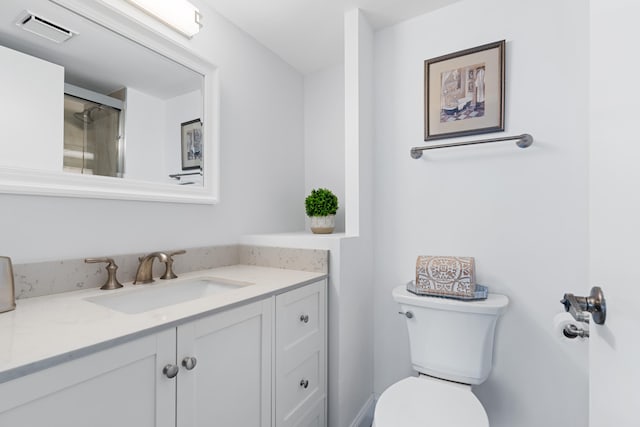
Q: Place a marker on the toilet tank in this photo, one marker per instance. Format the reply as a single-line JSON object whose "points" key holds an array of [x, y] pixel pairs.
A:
{"points": [[451, 339]]}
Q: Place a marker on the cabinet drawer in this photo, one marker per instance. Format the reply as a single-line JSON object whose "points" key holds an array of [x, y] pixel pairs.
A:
{"points": [[298, 317], [299, 388], [301, 382]]}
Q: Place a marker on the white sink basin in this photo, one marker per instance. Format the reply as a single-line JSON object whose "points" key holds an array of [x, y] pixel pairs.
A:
{"points": [[158, 295]]}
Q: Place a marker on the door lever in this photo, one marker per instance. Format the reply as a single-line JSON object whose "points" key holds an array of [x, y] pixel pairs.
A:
{"points": [[594, 304]]}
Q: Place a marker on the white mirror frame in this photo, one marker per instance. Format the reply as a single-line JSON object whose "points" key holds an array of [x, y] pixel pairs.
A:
{"points": [[45, 183]]}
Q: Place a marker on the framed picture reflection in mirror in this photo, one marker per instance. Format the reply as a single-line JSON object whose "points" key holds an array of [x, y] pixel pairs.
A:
{"points": [[192, 144]]}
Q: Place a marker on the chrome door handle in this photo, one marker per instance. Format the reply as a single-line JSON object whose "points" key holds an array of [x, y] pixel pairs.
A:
{"points": [[304, 318], [189, 363], [594, 304], [170, 371], [408, 314]]}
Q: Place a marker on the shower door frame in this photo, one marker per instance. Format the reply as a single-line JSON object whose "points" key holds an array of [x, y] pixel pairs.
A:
{"points": [[98, 98]]}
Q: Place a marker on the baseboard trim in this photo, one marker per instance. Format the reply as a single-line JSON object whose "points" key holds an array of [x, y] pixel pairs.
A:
{"points": [[365, 416]]}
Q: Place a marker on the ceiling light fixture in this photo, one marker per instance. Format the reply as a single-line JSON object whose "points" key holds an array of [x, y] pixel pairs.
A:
{"points": [[180, 15]]}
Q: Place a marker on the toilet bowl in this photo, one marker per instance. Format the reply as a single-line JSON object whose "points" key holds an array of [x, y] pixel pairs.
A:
{"points": [[424, 401], [451, 345]]}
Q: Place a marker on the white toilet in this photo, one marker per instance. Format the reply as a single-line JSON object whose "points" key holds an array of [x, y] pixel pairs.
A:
{"points": [[451, 347]]}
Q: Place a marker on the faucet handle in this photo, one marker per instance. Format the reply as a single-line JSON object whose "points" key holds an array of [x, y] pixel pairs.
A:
{"points": [[168, 273], [112, 281]]}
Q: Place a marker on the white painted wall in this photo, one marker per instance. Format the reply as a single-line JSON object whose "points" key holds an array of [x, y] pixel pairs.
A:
{"points": [[31, 93], [355, 334], [262, 171], [324, 134], [521, 214], [357, 262], [359, 78], [350, 400]]}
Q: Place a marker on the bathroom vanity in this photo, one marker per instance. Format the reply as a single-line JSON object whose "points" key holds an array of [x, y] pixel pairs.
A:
{"points": [[251, 355]]}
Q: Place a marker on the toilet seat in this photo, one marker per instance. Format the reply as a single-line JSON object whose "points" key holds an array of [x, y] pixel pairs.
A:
{"points": [[429, 402]]}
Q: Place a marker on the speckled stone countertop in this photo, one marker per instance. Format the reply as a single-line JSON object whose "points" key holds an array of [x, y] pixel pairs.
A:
{"points": [[48, 330]]}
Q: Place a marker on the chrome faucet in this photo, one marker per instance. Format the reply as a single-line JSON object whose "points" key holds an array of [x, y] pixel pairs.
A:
{"points": [[145, 268]]}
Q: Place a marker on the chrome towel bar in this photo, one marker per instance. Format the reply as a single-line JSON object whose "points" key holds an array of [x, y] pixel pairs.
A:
{"points": [[522, 141]]}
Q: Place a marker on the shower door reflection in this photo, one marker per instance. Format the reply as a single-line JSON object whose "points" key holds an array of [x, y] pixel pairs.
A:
{"points": [[93, 142]]}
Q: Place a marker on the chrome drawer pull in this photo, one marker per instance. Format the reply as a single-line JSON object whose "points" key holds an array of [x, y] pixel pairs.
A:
{"points": [[170, 371], [304, 318], [189, 363], [304, 383]]}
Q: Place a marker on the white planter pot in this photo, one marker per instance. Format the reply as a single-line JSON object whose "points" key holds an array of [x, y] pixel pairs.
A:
{"points": [[323, 224]]}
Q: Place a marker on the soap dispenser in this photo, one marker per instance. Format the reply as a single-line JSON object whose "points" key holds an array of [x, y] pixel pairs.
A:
{"points": [[7, 290]]}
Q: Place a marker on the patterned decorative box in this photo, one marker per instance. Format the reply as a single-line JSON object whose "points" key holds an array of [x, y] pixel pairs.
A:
{"points": [[446, 276]]}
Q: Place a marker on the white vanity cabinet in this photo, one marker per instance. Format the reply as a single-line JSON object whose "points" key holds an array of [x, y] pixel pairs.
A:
{"points": [[119, 386], [257, 364], [300, 357]]}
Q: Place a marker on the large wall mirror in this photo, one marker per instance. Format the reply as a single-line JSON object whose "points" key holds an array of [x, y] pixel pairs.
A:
{"points": [[94, 104]]}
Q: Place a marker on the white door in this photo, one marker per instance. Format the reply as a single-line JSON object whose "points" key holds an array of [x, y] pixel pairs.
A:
{"points": [[615, 211]]}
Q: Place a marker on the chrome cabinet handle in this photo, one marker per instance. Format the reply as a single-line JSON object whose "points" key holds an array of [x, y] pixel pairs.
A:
{"points": [[408, 314], [304, 318], [170, 371], [304, 383], [189, 363]]}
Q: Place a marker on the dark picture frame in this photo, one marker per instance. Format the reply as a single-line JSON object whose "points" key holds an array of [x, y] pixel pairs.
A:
{"points": [[191, 144], [464, 92]]}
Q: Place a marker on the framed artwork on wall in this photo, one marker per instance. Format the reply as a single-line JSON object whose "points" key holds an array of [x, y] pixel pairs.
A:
{"points": [[464, 92], [191, 144]]}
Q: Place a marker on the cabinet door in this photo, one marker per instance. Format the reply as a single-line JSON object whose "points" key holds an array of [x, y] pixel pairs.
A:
{"points": [[300, 368], [230, 384], [120, 386]]}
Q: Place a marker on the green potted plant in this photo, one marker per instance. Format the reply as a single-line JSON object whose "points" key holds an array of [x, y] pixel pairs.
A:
{"points": [[321, 206]]}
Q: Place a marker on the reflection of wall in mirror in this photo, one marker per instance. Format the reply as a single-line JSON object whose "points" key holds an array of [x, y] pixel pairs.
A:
{"points": [[33, 102], [38, 87], [143, 137], [181, 109], [148, 145]]}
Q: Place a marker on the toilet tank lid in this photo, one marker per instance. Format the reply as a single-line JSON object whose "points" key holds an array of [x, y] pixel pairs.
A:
{"points": [[419, 402], [494, 304]]}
